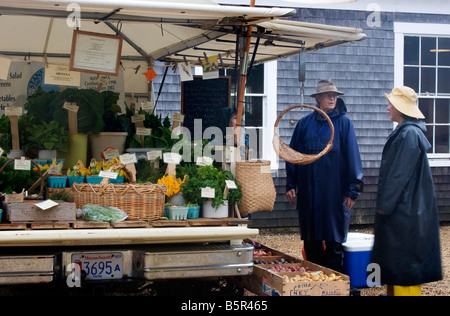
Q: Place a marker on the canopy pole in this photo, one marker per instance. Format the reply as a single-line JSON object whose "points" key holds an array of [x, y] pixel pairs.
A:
{"points": [[243, 79]]}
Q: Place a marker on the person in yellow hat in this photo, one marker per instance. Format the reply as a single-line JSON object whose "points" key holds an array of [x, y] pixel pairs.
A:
{"points": [[407, 246]]}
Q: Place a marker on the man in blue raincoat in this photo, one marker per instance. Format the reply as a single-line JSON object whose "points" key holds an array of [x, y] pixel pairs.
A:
{"points": [[326, 189]]}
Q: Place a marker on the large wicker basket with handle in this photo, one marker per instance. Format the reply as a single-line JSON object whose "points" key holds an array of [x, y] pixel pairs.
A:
{"points": [[141, 201], [290, 155], [258, 190]]}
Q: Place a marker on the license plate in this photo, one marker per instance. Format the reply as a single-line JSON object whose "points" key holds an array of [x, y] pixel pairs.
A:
{"points": [[100, 266]]}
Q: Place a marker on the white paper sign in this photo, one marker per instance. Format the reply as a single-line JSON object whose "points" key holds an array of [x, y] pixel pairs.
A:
{"points": [[111, 154], [138, 118], [185, 72], [46, 204], [22, 164], [108, 174], [143, 131], [71, 106], [5, 64], [230, 184], [177, 117], [208, 193], [147, 106], [172, 158], [204, 161], [13, 111], [55, 170], [154, 154], [128, 158], [59, 74]]}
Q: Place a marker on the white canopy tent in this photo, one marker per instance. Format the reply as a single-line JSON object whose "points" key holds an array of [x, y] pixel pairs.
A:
{"points": [[170, 31]]}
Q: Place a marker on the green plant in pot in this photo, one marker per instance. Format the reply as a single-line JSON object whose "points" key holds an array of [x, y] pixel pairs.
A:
{"points": [[16, 180], [43, 138], [115, 127], [161, 133], [212, 177], [49, 106]]}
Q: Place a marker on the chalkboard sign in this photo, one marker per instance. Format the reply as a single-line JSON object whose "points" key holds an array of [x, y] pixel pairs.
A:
{"points": [[201, 99]]}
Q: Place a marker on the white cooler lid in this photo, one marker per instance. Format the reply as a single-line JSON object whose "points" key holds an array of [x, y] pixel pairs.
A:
{"points": [[359, 242]]}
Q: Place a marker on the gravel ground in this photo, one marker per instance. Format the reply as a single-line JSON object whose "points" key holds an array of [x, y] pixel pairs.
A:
{"points": [[290, 243]]}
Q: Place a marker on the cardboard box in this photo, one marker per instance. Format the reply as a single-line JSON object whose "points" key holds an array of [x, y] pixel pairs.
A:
{"points": [[28, 212]]}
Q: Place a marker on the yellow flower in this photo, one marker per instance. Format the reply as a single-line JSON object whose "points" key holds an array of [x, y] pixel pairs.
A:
{"points": [[172, 184]]}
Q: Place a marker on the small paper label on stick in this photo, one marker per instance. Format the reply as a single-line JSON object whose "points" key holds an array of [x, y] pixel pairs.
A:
{"points": [[13, 111], [71, 106], [128, 158], [154, 154]]}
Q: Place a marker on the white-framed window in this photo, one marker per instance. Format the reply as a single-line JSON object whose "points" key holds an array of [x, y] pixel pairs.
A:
{"points": [[422, 62], [260, 108]]}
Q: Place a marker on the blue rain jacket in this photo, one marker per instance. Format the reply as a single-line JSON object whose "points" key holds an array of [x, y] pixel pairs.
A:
{"points": [[323, 185]]}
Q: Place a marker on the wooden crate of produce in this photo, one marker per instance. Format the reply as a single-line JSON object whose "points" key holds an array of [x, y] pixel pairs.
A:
{"points": [[309, 280], [27, 212]]}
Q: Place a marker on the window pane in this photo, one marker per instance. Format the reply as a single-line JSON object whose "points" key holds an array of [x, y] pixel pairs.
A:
{"points": [[428, 80], [429, 51], [255, 83], [429, 135], [444, 80], [426, 106], [411, 51], [442, 111], [411, 77], [253, 111], [444, 52], [442, 139]]}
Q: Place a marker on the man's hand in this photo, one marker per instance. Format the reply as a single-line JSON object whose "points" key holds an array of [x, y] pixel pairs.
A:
{"points": [[349, 203], [291, 196]]}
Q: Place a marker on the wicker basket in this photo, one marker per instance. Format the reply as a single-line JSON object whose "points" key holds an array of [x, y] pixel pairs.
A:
{"points": [[143, 201], [258, 190], [290, 155]]}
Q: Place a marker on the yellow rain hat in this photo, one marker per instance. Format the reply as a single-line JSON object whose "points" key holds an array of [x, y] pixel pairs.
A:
{"points": [[404, 99]]}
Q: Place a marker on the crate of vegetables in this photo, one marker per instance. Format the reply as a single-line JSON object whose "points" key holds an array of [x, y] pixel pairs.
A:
{"points": [[297, 279]]}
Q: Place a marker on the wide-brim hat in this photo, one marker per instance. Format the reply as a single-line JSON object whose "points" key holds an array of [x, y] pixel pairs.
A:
{"points": [[324, 86], [404, 99]]}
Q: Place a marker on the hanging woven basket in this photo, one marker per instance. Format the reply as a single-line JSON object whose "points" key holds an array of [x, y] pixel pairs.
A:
{"points": [[290, 155]]}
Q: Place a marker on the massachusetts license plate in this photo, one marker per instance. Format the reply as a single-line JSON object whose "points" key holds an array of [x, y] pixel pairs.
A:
{"points": [[100, 266]]}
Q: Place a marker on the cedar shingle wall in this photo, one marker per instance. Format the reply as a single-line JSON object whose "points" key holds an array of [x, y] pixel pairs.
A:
{"points": [[364, 71]]}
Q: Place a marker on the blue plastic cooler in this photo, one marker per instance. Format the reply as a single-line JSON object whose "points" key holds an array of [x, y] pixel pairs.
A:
{"points": [[357, 252]]}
